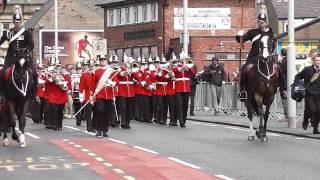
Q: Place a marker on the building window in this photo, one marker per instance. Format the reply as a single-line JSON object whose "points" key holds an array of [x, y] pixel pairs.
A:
{"points": [[127, 10], [118, 16], [154, 51], [136, 14], [144, 12], [111, 52], [128, 52], [136, 52], [5, 26], [153, 11], [111, 17], [145, 52], [120, 53]]}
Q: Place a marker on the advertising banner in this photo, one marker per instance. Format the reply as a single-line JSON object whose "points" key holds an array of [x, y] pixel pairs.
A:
{"points": [[203, 18], [72, 45]]}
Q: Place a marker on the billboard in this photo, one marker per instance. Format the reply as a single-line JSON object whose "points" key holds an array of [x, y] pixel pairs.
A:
{"points": [[72, 45], [203, 18]]}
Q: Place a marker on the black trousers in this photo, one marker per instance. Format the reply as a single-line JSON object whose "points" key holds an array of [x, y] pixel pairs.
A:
{"points": [[115, 119], [142, 108], [182, 100], [76, 106], [157, 109], [313, 106], [53, 116], [169, 105], [103, 111], [38, 110], [87, 114], [60, 115], [192, 96], [125, 108]]}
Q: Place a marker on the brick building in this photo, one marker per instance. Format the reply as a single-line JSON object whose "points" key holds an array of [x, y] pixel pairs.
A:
{"points": [[140, 28]]}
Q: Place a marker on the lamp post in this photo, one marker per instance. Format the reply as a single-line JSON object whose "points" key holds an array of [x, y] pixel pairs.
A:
{"points": [[56, 28], [185, 27]]}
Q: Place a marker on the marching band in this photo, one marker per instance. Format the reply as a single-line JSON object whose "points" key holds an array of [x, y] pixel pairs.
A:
{"points": [[107, 93]]}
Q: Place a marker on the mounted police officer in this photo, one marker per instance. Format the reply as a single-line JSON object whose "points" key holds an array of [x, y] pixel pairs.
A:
{"points": [[20, 43], [254, 35]]}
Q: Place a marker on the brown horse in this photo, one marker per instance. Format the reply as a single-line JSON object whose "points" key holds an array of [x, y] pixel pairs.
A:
{"points": [[261, 88]]}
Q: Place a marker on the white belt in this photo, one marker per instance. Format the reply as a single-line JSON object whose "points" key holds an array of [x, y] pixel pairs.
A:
{"points": [[125, 82], [182, 79], [162, 83]]}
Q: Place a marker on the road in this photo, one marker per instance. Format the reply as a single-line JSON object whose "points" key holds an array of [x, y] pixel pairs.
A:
{"points": [[151, 151]]}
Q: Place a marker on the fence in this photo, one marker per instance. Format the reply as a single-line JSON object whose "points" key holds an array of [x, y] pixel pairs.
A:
{"points": [[206, 101]]}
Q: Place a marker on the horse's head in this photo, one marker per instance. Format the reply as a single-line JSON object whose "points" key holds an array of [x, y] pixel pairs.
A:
{"points": [[266, 47]]}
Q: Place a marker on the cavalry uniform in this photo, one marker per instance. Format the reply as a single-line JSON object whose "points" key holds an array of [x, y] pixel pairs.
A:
{"points": [[125, 97], [104, 101], [182, 86], [86, 89]]}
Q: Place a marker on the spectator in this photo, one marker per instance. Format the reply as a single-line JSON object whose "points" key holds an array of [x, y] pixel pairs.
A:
{"points": [[193, 85], [215, 76], [283, 66], [309, 61], [311, 77]]}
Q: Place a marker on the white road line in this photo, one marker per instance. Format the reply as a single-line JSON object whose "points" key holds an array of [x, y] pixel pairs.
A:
{"points": [[184, 163], [32, 135], [99, 159], [144, 149], [85, 150], [129, 178], [274, 134], [114, 140], [223, 177], [119, 171], [235, 128], [65, 140], [91, 154], [299, 138], [77, 145], [70, 127], [205, 124], [108, 164], [91, 133]]}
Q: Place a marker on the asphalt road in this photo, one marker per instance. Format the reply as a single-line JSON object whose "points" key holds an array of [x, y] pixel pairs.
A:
{"points": [[151, 151]]}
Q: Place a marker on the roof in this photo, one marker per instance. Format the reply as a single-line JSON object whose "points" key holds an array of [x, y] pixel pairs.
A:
{"points": [[92, 5], [302, 9], [309, 30], [27, 2], [50, 3], [39, 14], [119, 3]]}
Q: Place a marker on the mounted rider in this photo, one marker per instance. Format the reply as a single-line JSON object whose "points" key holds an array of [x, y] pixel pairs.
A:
{"points": [[20, 43], [254, 35]]}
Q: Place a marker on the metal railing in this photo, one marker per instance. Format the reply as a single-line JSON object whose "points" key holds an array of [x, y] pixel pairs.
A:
{"points": [[206, 101]]}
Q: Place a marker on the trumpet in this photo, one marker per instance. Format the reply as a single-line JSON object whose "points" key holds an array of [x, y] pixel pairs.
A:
{"points": [[58, 79]]}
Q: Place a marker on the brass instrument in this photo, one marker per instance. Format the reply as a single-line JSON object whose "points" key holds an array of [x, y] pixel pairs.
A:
{"points": [[58, 79]]}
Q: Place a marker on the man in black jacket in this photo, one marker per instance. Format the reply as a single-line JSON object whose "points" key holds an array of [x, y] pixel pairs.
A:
{"points": [[193, 85], [283, 66], [311, 77], [215, 76]]}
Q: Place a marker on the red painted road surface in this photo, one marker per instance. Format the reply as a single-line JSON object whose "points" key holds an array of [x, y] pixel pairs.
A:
{"points": [[114, 161]]}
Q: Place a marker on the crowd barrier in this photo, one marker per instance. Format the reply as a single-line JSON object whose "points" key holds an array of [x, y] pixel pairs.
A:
{"points": [[206, 101]]}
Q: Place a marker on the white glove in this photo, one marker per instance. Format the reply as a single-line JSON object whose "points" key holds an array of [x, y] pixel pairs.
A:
{"points": [[167, 76], [143, 83], [123, 73], [50, 79], [152, 87], [223, 82], [111, 83], [81, 99], [240, 33], [159, 74]]}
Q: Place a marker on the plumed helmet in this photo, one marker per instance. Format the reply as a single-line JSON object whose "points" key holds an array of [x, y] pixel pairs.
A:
{"points": [[262, 17], [163, 60], [143, 61], [157, 59], [298, 90], [103, 57], [17, 14], [150, 60]]}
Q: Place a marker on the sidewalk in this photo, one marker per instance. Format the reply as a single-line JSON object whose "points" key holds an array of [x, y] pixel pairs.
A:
{"points": [[242, 121]]}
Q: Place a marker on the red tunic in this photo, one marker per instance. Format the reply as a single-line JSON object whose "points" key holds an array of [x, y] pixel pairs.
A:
{"points": [[182, 78], [126, 85], [87, 84], [106, 92]]}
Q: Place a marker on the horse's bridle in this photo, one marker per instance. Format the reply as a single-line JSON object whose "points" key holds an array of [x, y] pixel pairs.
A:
{"points": [[268, 76], [23, 89]]}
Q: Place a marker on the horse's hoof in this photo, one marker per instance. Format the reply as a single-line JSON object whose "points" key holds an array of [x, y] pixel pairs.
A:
{"points": [[22, 138], [6, 142], [14, 137], [250, 138], [259, 136], [23, 144], [264, 139]]}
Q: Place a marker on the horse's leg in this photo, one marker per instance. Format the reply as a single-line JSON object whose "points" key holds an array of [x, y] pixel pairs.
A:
{"points": [[5, 125], [11, 111], [250, 116], [266, 117], [22, 122], [260, 114]]}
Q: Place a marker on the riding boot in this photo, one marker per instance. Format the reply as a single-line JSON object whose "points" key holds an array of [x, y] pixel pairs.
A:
{"points": [[242, 92], [315, 127]]}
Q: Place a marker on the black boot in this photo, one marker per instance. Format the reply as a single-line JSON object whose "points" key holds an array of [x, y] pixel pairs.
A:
{"points": [[242, 95], [315, 127]]}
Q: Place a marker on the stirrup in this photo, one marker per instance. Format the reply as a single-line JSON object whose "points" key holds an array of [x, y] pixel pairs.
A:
{"points": [[242, 96]]}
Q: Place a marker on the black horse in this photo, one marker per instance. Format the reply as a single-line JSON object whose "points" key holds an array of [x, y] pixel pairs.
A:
{"points": [[261, 88], [19, 86]]}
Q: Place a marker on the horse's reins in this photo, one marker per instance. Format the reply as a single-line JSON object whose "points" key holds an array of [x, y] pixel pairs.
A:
{"points": [[269, 75], [23, 89]]}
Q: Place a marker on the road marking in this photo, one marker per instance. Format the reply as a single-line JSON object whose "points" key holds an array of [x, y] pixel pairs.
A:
{"points": [[274, 134], [223, 177], [235, 128], [71, 143], [91, 154], [119, 171], [114, 140], [91, 133], [32, 135], [144, 149], [205, 124], [299, 138], [184, 163], [85, 150], [65, 140], [72, 128], [108, 164], [129, 178], [77, 145], [99, 159]]}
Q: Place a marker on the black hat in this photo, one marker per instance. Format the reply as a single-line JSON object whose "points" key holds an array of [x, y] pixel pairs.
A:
{"points": [[262, 17]]}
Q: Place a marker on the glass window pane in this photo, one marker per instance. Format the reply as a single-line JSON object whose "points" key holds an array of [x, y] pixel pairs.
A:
{"points": [[145, 12], [136, 15], [145, 52], [118, 16], [127, 15], [154, 51], [111, 15], [128, 52], [136, 52], [153, 11]]}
